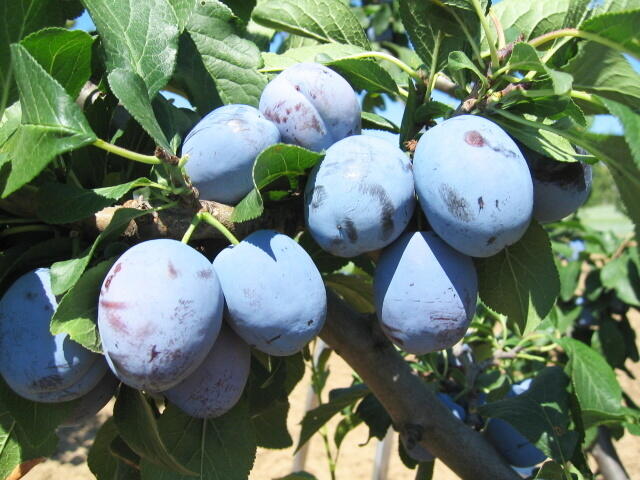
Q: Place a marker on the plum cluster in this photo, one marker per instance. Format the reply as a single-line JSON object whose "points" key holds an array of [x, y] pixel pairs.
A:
{"points": [[161, 306]]}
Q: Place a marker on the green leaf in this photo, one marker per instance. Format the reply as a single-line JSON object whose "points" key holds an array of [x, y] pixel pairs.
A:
{"points": [[274, 162], [460, 61], [182, 9], [521, 280], [77, 312], [52, 123], [630, 120], [192, 77], [339, 399], [140, 37], [377, 122], [217, 448], [323, 20], [64, 54], [433, 31], [530, 19], [614, 78], [101, 461], [525, 57], [270, 426], [617, 30], [432, 109], [66, 274], [66, 203], [541, 414], [241, 8], [620, 5], [138, 427], [594, 383], [365, 74], [621, 275], [375, 416], [21, 18], [131, 90], [231, 60], [274, 62], [357, 291]]}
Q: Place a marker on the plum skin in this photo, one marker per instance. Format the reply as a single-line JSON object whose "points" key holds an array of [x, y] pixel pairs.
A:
{"points": [[311, 105], [222, 149], [473, 185], [509, 442], [360, 197], [275, 297], [37, 365], [425, 293], [559, 188], [217, 384], [159, 313], [92, 402]]}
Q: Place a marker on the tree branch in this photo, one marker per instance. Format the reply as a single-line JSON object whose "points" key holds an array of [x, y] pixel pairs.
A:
{"points": [[416, 412], [607, 458]]}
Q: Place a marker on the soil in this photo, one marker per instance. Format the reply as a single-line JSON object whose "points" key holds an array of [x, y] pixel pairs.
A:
{"points": [[356, 460]]}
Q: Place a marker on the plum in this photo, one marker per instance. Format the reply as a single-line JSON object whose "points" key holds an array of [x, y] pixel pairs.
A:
{"points": [[425, 293], [360, 197], [559, 188], [222, 148], [311, 105], [159, 313], [92, 402], [473, 185], [509, 442], [36, 364], [216, 385], [421, 454], [275, 296]]}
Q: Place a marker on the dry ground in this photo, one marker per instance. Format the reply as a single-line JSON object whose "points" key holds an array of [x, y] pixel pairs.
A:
{"points": [[355, 462]]}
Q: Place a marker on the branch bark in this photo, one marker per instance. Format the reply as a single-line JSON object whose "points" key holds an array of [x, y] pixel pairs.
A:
{"points": [[607, 458], [416, 412]]}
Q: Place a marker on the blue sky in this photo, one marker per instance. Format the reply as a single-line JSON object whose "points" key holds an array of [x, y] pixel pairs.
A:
{"points": [[394, 110]]}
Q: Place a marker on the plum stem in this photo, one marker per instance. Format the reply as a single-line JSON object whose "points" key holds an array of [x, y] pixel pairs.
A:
{"points": [[495, 59], [211, 220], [128, 154]]}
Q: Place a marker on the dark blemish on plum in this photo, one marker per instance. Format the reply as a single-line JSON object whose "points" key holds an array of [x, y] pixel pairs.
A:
{"points": [[298, 107], [116, 322], [183, 311], [297, 87], [318, 197], [457, 206], [350, 229], [480, 203], [444, 318], [47, 308], [173, 273], [288, 110], [31, 296], [474, 138], [411, 284], [154, 353], [309, 322], [271, 340], [491, 240], [498, 204], [109, 305], [50, 382], [386, 206], [205, 273]]}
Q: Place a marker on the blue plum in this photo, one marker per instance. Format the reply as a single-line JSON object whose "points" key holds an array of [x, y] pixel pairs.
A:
{"points": [[509, 442], [275, 296], [159, 313], [36, 364], [222, 148], [473, 185], [92, 402], [360, 197], [312, 106], [559, 188], [425, 293], [421, 454], [216, 385]]}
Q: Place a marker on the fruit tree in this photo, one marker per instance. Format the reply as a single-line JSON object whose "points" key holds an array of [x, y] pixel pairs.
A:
{"points": [[200, 199]]}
